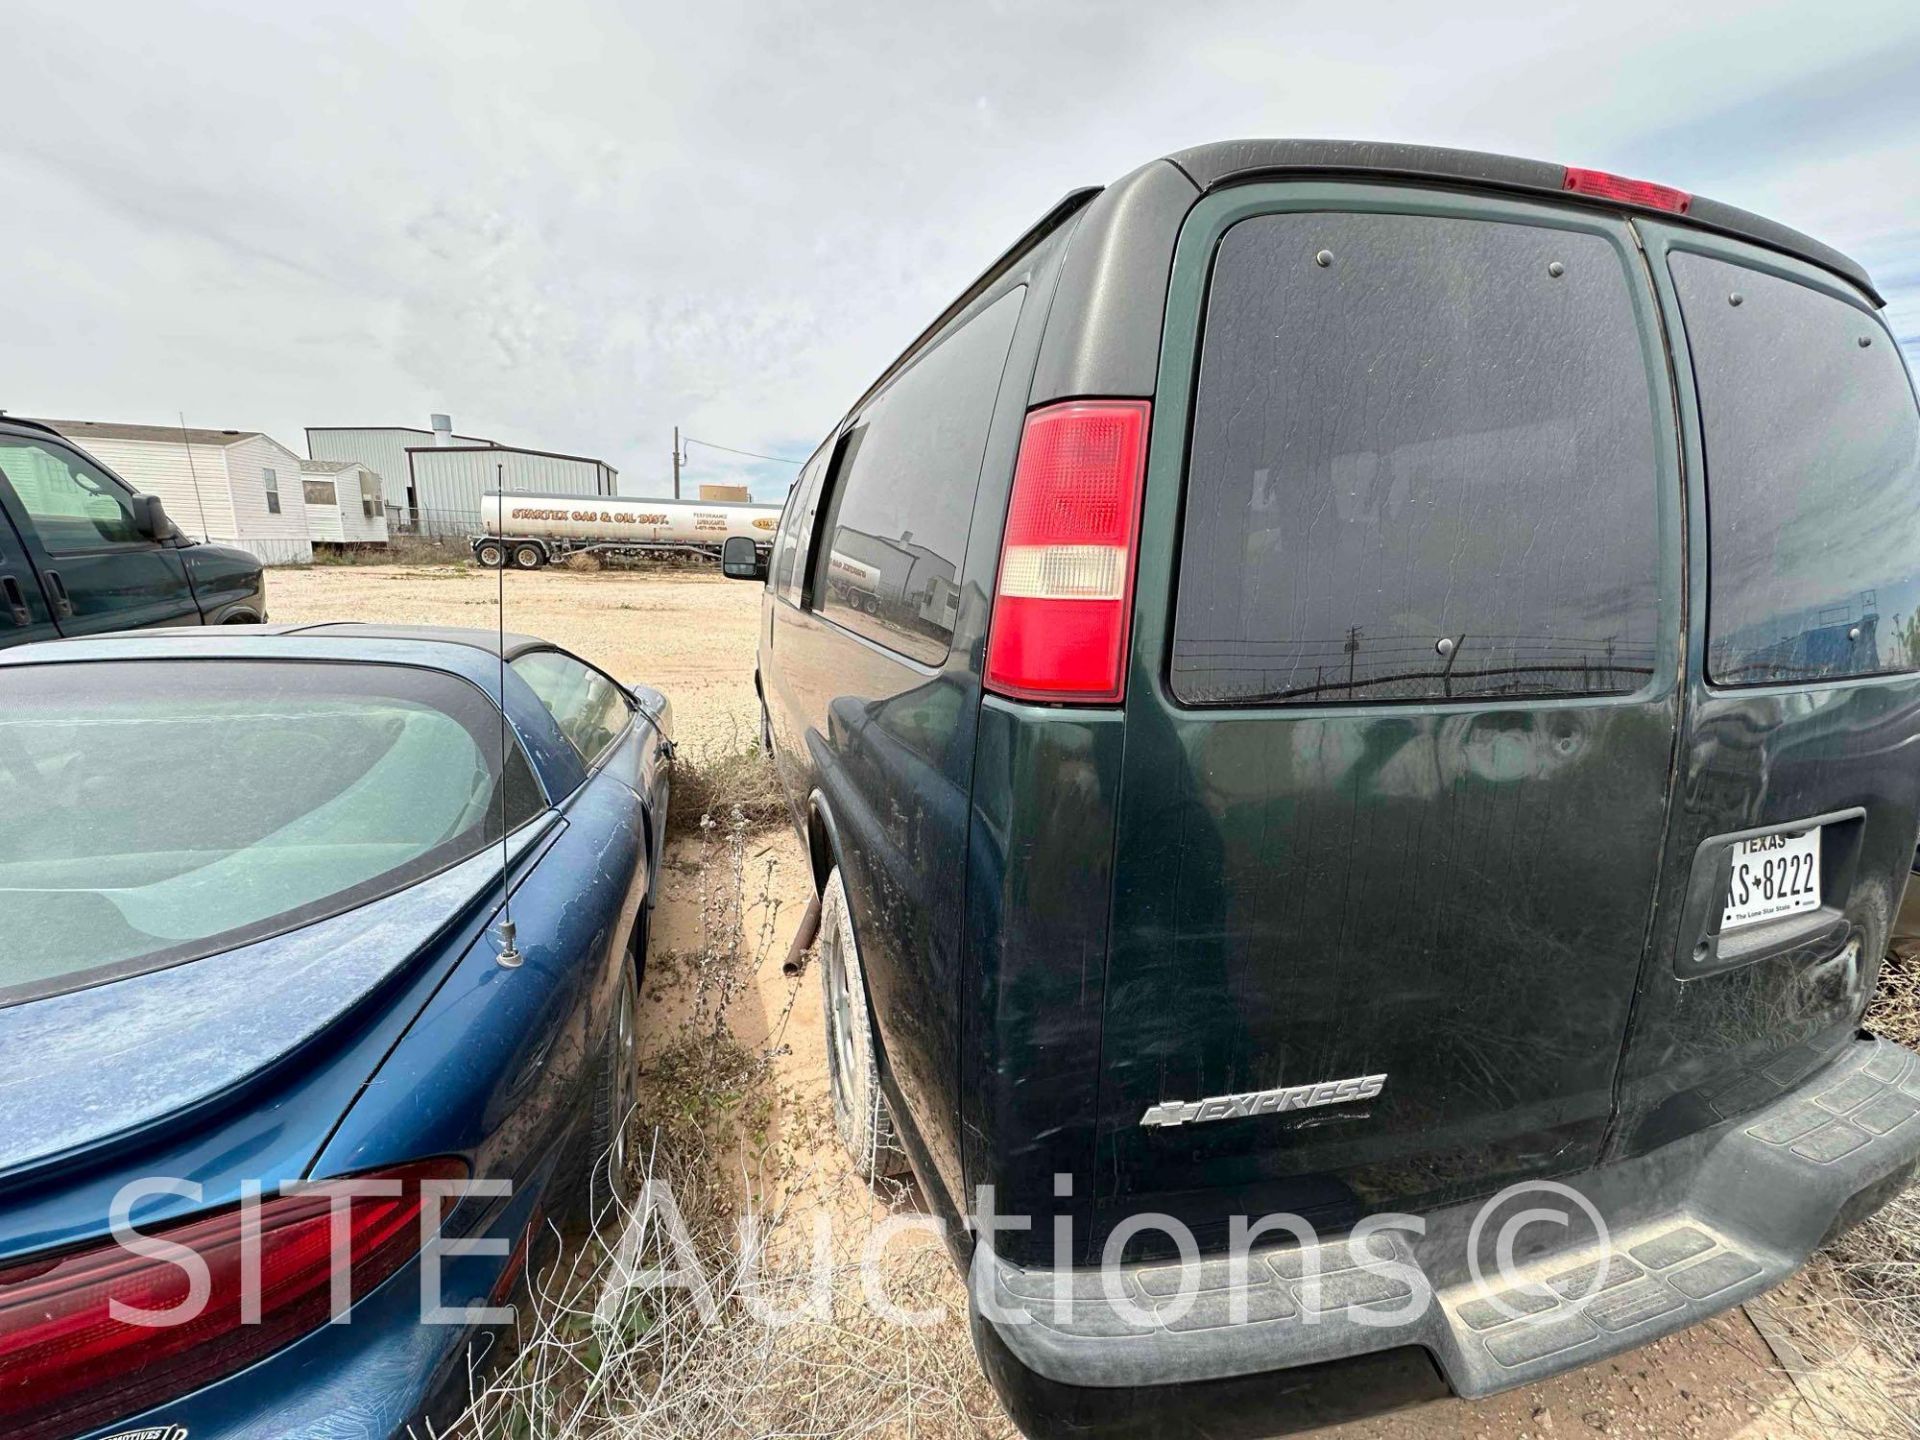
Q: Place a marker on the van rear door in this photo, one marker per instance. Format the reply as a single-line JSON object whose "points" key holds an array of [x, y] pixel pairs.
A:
{"points": [[1402, 707], [1799, 775]]}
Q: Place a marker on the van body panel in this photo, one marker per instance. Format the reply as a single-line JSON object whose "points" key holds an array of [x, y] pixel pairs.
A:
{"points": [[1046, 793], [1453, 895], [886, 739], [1103, 337], [1716, 1041]]}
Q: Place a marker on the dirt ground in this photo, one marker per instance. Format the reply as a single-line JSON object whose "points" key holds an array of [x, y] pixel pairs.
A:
{"points": [[692, 635]]}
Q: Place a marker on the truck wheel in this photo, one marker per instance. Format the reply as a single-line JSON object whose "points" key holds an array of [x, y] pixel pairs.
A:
{"points": [[528, 557], [860, 1110], [491, 554]]}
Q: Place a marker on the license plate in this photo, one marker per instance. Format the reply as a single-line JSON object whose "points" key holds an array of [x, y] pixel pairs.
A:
{"points": [[1773, 875]]}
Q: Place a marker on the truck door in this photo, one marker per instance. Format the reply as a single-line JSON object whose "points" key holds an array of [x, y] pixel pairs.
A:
{"points": [[1799, 787], [98, 572], [24, 613], [1402, 705]]}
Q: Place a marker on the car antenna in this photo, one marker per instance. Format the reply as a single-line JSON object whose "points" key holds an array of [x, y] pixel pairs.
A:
{"points": [[510, 953]]}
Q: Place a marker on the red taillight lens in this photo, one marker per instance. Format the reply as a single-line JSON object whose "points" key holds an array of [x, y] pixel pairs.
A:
{"points": [[1064, 602], [1644, 193], [67, 1365]]}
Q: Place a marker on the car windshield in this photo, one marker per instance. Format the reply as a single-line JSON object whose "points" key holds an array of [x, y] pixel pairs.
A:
{"points": [[154, 811]]}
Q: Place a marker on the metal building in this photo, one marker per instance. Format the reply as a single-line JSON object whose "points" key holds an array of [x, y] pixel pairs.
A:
{"points": [[433, 479]]}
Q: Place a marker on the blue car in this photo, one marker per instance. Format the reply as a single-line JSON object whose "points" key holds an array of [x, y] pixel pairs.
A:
{"points": [[253, 944]]}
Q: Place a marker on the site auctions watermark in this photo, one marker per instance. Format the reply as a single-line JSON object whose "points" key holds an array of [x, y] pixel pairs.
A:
{"points": [[655, 1251]]}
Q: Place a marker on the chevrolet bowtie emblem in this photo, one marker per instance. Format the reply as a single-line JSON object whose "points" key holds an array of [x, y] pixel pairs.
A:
{"points": [[1263, 1102]]}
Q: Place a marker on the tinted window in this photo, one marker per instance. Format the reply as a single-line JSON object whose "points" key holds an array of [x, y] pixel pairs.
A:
{"points": [[903, 491], [1424, 469], [1813, 480], [586, 705], [786, 543], [154, 810], [73, 505]]}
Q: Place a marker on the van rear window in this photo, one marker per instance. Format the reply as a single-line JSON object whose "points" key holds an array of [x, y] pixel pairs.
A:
{"points": [[1813, 479], [1423, 467]]}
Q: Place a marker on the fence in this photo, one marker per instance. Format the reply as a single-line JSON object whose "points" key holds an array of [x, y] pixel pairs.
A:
{"points": [[429, 524]]}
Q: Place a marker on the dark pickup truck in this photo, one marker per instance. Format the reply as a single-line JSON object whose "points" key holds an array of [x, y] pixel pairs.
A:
{"points": [[82, 552], [1370, 867]]}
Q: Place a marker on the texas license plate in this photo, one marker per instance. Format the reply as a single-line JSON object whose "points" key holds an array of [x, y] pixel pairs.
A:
{"points": [[1773, 875]]}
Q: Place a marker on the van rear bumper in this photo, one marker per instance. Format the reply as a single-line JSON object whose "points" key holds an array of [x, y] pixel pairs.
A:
{"points": [[1641, 1248]]}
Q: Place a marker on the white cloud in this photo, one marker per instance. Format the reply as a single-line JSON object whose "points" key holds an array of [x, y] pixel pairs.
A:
{"points": [[576, 224]]}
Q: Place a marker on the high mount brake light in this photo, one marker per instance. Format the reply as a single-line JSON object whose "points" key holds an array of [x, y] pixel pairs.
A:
{"points": [[1064, 601], [67, 1364], [1643, 193]]}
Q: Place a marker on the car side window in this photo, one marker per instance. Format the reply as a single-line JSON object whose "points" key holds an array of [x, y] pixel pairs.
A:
{"points": [[73, 505], [590, 709], [903, 488]]}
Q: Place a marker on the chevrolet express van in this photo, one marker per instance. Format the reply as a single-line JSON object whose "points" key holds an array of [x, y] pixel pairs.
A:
{"points": [[1354, 683], [82, 552]]}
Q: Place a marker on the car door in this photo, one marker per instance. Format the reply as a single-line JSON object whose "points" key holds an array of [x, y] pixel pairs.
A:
{"points": [[98, 571], [24, 612], [1793, 824], [1402, 704]]}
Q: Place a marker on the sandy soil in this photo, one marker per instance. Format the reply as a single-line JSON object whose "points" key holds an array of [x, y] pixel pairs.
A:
{"points": [[693, 635]]}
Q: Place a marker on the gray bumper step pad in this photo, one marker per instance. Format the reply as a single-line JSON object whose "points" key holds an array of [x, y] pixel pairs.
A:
{"points": [[1691, 1229]]}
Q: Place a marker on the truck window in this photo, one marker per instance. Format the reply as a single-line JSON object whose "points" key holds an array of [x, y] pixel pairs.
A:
{"points": [[72, 505], [903, 491], [1422, 467], [1813, 479]]}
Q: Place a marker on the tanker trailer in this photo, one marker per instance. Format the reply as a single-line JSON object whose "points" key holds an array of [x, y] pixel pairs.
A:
{"points": [[528, 531]]}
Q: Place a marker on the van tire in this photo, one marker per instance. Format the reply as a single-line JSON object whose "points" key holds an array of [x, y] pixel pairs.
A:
{"points": [[528, 557], [490, 554], [860, 1111]]}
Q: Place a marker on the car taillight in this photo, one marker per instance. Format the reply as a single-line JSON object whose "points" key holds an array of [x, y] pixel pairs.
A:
{"points": [[67, 1364], [1644, 193], [1064, 601]]}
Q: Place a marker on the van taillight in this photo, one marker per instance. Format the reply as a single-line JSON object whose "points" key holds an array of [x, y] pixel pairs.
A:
{"points": [[1644, 193], [68, 1365], [1064, 601]]}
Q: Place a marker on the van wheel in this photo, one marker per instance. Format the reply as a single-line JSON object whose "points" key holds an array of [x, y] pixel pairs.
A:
{"points": [[528, 557], [860, 1111], [490, 555]]}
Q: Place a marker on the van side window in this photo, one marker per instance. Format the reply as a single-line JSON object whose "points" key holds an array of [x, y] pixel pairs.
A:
{"points": [[73, 505], [1422, 467], [1813, 479], [903, 491], [786, 540]]}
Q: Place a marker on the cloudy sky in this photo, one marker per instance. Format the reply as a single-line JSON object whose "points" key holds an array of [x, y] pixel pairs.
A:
{"points": [[573, 224]]}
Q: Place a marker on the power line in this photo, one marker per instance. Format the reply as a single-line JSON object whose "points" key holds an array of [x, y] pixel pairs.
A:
{"points": [[750, 454]]}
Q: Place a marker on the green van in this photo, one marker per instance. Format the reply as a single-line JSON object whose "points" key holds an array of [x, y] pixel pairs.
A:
{"points": [[81, 552], [1354, 710]]}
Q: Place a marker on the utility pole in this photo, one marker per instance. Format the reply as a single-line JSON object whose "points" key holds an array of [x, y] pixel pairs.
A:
{"points": [[678, 460]]}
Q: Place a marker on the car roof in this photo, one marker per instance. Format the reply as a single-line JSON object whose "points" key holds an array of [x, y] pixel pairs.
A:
{"points": [[509, 645]]}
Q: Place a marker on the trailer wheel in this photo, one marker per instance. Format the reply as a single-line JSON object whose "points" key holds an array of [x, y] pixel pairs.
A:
{"points": [[491, 554], [528, 557]]}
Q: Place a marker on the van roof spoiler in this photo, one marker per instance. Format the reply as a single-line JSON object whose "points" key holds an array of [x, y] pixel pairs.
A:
{"points": [[1232, 162]]}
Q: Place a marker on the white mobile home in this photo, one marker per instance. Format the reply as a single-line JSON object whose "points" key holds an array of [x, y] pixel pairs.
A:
{"points": [[344, 503], [234, 487]]}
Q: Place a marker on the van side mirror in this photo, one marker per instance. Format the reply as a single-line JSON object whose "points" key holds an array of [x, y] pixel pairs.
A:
{"points": [[150, 518], [740, 559]]}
